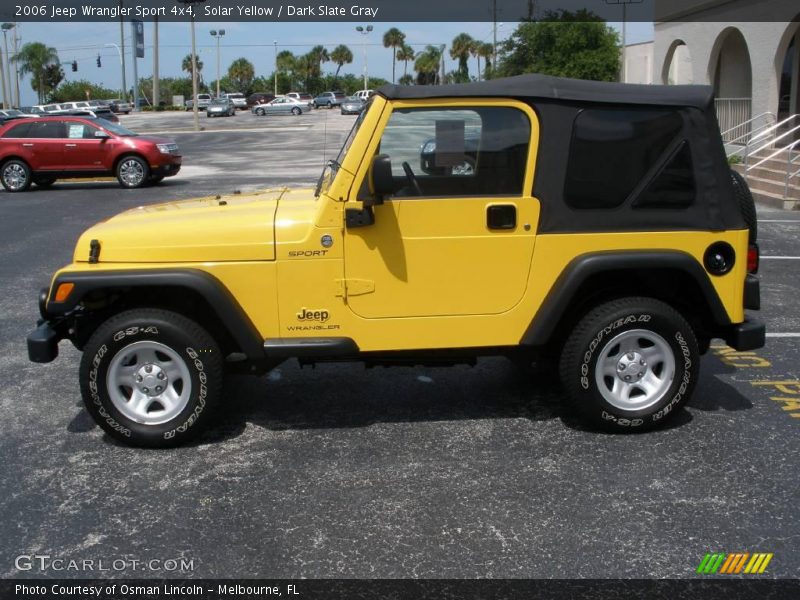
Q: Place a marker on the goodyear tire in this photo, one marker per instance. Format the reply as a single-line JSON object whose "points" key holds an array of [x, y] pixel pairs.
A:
{"points": [[746, 204], [151, 377], [630, 364]]}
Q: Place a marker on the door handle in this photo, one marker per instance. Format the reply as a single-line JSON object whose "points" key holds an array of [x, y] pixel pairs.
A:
{"points": [[27, 145], [71, 145], [501, 216]]}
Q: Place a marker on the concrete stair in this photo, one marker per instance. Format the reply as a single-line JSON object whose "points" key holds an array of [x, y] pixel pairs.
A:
{"points": [[768, 181]]}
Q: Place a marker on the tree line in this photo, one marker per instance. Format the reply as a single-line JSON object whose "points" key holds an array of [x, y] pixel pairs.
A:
{"points": [[569, 44]]}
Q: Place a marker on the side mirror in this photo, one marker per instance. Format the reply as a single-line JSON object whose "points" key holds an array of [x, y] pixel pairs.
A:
{"points": [[381, 180], [102, 135]]}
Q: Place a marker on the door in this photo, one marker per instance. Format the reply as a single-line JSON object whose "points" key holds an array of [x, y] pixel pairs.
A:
{"points": [[46, 144], [83, 151], [457, 236]]}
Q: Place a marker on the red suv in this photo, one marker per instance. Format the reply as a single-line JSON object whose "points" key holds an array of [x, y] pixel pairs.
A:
{"points": [[48, 148]]}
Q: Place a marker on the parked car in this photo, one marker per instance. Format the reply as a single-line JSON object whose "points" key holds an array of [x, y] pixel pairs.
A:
{"points": [[15, 113], [364, 94], [203, 100], [329, 99], [622, 282], [54, 147], [119, 106], [282, 105], [238, 99], [308, 99], [101, 104], [352, 105], [96, 113], [74, 105], [259, 98], [221, 107]]}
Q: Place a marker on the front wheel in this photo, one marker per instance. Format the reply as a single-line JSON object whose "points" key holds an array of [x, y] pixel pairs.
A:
{"points": [[132, 172], [151, 377], [16, 175], [296, 111], [630, 364], [260, 112]]}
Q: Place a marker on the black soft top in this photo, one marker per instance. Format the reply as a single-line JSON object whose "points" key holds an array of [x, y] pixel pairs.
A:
{"points": [[560, 88]]}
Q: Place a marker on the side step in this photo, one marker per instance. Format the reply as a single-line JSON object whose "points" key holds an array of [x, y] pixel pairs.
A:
{"points": [[310, 347]]}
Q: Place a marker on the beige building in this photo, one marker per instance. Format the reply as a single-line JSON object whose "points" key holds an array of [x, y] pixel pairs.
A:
{"points": [[753, 66]]}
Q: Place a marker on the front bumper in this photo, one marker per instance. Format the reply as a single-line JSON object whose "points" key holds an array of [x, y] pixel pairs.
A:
{"points": [[749, 335], [43, 343], [168, 170]]}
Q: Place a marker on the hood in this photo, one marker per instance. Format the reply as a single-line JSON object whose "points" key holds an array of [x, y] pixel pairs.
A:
{"points": [[238, 227]]}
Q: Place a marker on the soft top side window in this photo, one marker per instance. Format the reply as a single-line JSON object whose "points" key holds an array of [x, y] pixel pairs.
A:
{"points": [[612, 150]]}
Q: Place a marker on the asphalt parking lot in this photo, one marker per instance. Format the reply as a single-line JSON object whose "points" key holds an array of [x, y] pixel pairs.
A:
{"points": [[340, 471]]}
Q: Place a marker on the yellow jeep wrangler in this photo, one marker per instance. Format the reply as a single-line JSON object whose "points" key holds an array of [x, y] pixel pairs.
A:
{"points": [[595, 225]]}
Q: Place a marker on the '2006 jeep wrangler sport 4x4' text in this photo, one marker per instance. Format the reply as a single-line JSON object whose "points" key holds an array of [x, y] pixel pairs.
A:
{"points": [[598, 224]]}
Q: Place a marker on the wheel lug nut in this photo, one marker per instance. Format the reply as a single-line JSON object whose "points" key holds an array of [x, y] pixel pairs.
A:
{"points": [[148, 368], [621, 367], [631, 356], [627, 377], [158, 388], [138, 379], [146, 390], [160, 375]]}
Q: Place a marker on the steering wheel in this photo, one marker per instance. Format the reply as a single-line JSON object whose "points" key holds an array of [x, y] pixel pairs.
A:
{"points": [[412, 179]]}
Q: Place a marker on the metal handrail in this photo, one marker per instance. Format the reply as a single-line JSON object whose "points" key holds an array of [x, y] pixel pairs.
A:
{"points": [[770, 143], [752, 120], [789, 162]]}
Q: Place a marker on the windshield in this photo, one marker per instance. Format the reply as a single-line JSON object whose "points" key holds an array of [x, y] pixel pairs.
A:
{"points": [[332, 166], [115, 129], [221, 102]]}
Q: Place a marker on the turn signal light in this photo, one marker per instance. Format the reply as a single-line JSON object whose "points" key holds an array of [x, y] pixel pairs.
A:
{"points": [[63, 291], [753, 256]]}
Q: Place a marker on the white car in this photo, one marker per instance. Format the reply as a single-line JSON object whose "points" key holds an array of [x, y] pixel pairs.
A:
{"points": [[364, 94], [239, 100]]}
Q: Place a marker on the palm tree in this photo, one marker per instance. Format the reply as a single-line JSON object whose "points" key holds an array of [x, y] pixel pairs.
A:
{"points": [[427, 65], [481, 50], [405, 54], [318, 55], [341, 55], [394, 39], [186, 64], [460, 49], [34, 58], [406, 80], [486, 51], [241, 74]]}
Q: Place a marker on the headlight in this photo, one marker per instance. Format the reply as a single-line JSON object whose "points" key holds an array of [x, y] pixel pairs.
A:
{"points": [[429, 147], [168, 148]]}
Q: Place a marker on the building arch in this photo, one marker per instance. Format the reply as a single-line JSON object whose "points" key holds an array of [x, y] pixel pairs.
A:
{"points": [[677, 68], [730, 68], [787, 70]]}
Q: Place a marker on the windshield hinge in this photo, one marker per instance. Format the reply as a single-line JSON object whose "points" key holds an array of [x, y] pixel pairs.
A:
{"points": [[354, 287]]}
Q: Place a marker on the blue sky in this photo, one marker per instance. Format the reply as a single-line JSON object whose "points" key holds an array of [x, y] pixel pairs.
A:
{"points": [[83, 41]]}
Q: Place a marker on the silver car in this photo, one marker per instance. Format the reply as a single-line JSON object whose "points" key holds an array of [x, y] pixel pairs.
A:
{"points": [[352, 105], [221, 107], [282, 105]]}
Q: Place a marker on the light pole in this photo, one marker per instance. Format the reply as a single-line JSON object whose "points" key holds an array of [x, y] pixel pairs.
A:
{"points": [[624, 33], [218, 36], [7, 73], [275, 43], [364, 31], [189, 4], [16, 66], [122, 96]]}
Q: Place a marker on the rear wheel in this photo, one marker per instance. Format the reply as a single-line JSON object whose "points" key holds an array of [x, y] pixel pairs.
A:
{"points": [[630, 364], [132, 172], [296, 111], [151, 377], [15, 175], [260, 112]]}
